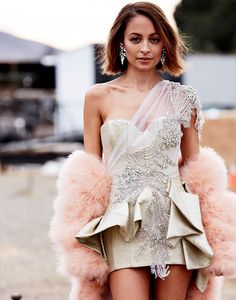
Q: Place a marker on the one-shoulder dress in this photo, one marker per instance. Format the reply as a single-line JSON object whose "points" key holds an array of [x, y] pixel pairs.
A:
{"points": [[152, 218]]}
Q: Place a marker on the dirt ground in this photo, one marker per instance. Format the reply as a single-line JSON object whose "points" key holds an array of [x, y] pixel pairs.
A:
{"points": [[27, 260], [27, 264], [220, 134]]}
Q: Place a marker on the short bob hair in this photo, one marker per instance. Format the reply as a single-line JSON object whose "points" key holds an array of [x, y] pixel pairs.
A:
{"points": [[175, 48]]}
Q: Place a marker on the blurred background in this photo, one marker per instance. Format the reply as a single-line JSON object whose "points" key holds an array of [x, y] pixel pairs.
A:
{"points": [[48, 53]]}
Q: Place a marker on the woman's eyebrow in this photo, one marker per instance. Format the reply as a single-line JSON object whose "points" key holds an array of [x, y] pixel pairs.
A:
{"points": [[135, 33]]}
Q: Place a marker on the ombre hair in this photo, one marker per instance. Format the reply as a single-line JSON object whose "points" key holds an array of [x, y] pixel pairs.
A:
{"points": [[175, 48]]}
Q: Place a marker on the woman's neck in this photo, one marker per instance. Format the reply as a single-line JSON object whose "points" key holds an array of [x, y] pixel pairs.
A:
{"points": [[140, 80]]}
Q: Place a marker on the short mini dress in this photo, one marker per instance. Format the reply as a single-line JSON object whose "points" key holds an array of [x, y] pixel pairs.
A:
{"points": [[152, 218]]}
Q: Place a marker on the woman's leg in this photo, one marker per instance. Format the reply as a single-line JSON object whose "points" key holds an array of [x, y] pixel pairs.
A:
{"points": [[130, 284], [175, 285]]}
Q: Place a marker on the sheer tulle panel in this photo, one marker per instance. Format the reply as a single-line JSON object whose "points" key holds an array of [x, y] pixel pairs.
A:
{"points": [[157, 103]]}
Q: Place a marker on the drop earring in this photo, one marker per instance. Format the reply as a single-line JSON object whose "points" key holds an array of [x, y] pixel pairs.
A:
{"points": [[122, 53], [163, 56]]}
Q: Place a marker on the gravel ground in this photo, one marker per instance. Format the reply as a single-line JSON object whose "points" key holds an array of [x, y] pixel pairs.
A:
{"points": [[27, 262]]}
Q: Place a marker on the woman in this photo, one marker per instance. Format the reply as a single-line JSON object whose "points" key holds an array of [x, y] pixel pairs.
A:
{"points": [[141, 42], [146, 128]]}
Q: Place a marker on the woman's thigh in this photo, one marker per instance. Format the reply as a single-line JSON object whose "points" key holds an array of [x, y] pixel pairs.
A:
{"points": [[175, 285], [130, 283]]}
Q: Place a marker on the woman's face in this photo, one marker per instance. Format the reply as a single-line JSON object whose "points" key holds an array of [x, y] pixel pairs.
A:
{"points": [[142, 43]]}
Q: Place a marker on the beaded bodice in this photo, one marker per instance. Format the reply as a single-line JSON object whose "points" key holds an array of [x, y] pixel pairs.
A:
{"points": [[151, 157]]}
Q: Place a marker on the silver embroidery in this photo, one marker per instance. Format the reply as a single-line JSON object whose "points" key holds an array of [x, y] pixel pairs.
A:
{"points": [[149, 167], [153, 231], [191, 102], [191, 97], [146, 167]]}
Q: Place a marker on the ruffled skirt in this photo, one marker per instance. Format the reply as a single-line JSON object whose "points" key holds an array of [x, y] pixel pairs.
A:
{"points": [[114, 235]]}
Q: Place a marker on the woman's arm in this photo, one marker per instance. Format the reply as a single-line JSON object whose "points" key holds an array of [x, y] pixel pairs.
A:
{"points": [[92, 121], [189, 142]]}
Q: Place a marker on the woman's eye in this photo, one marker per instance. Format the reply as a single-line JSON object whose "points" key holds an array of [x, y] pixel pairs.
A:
{"points": [[135, 40], [155, 40]]}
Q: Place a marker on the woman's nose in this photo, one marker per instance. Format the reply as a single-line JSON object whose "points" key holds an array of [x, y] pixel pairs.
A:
{"points": [[145, 47]]}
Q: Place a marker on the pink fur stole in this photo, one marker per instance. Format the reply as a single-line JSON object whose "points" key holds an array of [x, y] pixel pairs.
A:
{"points": [[84, 186]]}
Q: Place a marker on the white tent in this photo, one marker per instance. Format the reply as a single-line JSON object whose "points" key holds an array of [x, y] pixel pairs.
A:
{"points": [[17, 50]]}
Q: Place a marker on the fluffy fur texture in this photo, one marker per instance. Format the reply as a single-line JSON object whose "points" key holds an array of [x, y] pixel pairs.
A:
{"points": [[212, 292], [83, 192], [84, 186], [207, 177]]}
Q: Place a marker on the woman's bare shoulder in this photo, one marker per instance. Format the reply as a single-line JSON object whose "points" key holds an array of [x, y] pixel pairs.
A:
{"points": [[100, 91], [96, 91], [94, 98]]}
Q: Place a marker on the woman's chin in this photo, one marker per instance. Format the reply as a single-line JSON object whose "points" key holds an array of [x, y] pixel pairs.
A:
{"points": [[145, 67]]}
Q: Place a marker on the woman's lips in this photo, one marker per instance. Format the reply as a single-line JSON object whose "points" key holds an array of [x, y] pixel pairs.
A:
{"points": [[144, 60]]}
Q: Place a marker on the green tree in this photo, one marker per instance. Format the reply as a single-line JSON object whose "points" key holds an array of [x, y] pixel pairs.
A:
{"points": [[210, 25]]}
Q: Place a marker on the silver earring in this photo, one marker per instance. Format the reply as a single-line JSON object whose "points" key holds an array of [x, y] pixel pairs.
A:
{"points": [[163, 56], [122, 53]]}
